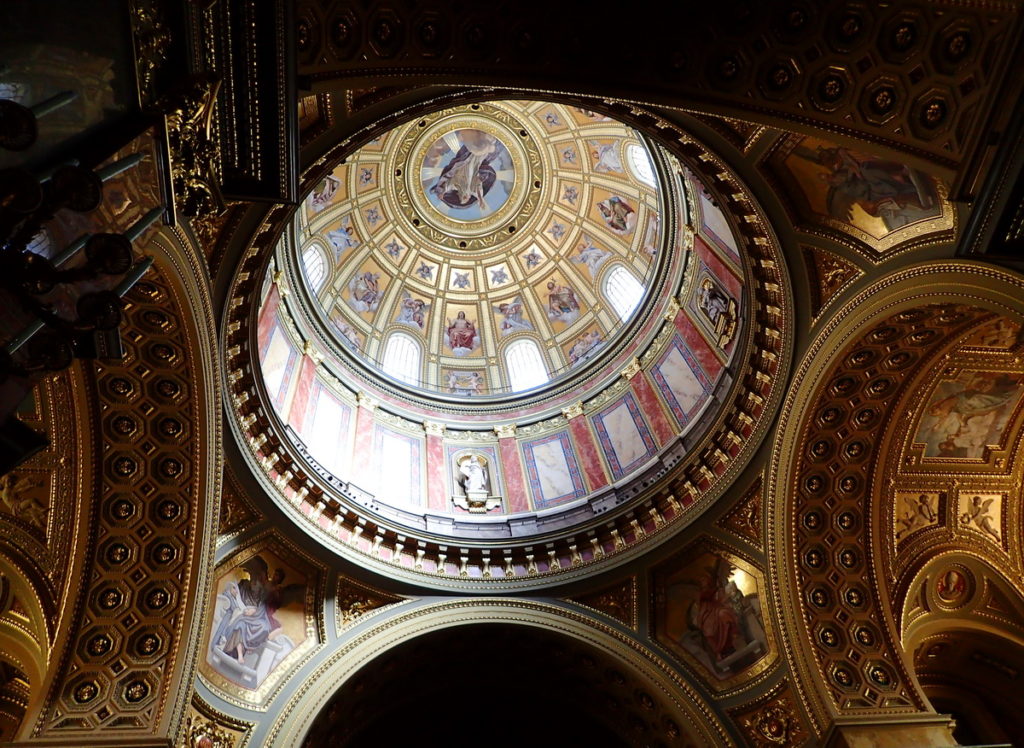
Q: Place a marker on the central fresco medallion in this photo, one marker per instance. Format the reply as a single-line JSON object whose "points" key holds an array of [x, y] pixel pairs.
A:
{"points": [[467, 174]]}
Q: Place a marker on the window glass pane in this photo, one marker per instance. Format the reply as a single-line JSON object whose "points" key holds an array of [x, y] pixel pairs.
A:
{"points": [[402, 359], [640, 164], [315, 266], [526, 367], [623, 291]]}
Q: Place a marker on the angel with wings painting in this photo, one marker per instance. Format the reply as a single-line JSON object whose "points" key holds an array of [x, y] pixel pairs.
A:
{"points": [[512, 316], [412, 311]]}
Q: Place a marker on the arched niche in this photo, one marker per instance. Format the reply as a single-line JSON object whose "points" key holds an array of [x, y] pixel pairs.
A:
{"points": [[539, 651], [821, 501]]}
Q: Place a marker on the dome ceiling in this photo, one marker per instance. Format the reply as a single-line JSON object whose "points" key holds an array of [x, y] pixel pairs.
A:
{"points": [[469, 235], [472, 228]]}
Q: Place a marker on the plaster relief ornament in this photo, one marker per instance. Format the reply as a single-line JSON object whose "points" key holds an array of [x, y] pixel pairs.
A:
{"points": [[365, 292], [562, 303], [323, 193], [618, 214], [919, 510], [467, 174], [247, 642], [473, 480], [718, 309], [412, 311], [461, 336], [342, 238], [512, 319]]}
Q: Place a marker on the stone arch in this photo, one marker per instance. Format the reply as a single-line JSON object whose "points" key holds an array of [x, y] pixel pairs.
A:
{"points": [[661, 688], [821, 496]]}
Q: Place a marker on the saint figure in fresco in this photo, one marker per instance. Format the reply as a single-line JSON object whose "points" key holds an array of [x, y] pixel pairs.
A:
{"points": [[245, 620], [618, 214], [884, 189], [470, 174], [562, 303], [723, 626], [964, 422], [342, 238], [461, 336], [323, 193]]}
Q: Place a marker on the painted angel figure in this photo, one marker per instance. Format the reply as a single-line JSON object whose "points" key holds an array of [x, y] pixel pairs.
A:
{"points": [[412, 311], [584, 345], [512, 316], [461, 335], [977, 513], [342, 238], [365, 291], [606, 157], [590, 255]]}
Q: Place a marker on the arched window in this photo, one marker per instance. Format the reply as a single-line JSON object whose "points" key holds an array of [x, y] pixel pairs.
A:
{"points": [[640, 163], [402, 358], [315, 266], [622, 290], [526, 367]]}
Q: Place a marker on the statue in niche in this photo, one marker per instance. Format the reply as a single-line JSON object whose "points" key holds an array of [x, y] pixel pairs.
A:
{"points": [[718, 309], [473, 479]]}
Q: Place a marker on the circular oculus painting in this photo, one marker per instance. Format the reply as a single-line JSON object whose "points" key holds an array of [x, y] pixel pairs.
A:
{"points": [[467, 174]]}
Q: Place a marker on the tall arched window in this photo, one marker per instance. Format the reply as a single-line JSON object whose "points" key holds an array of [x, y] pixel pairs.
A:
{"points": [[402, 358], [526, 367], [315, 266], [640, 163], [622, 290]]}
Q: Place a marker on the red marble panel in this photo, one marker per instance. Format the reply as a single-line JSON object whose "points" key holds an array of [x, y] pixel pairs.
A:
{"points": [[362, 456], [265, 325], [515, 482], [710, 362], [590, 457], [300, 401], [437, 500], [652, 408]]}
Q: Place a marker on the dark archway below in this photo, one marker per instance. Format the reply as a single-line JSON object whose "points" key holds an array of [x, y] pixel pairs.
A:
{"points": [[495, 685]]}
